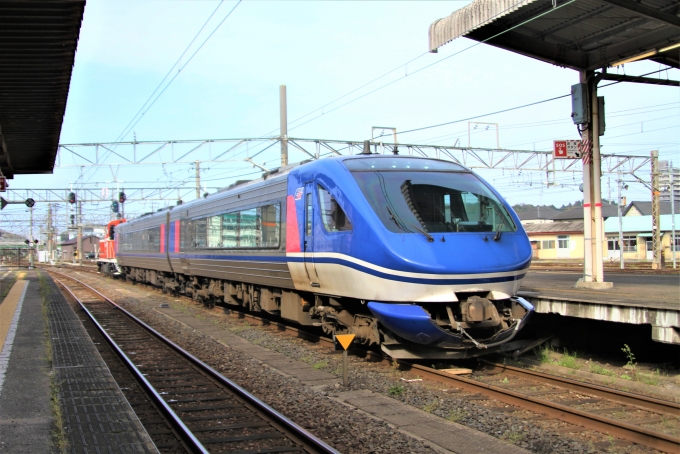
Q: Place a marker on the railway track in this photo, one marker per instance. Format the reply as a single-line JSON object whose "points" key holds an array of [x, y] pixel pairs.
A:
{"points": [[208, 412], [619, 414]]}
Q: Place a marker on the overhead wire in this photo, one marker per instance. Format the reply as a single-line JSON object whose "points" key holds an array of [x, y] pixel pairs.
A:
{"points": [[146, 109], [505, 110], [431, 64]]}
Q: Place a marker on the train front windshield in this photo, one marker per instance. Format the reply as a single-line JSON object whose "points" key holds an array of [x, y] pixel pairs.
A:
{"points": [[411, 195]]}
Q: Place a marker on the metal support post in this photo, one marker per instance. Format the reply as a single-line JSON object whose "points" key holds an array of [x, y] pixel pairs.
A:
{"points": [[345, 369], [619, 182], [198, 179], [593, 227], [587, 190], [50, 243], [657, 263], [30, 244], [79, 243], [283, 111], [673, 217], [598, 226]]}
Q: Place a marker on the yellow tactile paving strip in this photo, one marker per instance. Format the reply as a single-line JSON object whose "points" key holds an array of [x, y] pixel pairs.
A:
{"points": [[8, 306]]}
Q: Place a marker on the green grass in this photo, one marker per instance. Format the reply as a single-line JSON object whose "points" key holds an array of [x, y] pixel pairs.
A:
{"points": [[431, 406], [597, 369], [569, 360], [396, 390], [543, 354], [513, 436], [652, 380], [320, 364], [457, 414]]}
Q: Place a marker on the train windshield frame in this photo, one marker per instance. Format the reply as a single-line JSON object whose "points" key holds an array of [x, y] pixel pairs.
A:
{"points": [[423, 195]]}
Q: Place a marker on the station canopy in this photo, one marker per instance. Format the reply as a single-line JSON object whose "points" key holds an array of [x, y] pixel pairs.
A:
{"points": [[577, 34], [38, 42]]}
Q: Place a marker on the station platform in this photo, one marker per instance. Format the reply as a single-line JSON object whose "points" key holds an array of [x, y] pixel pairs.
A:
{"points": [[635, 298], [47, 356]]}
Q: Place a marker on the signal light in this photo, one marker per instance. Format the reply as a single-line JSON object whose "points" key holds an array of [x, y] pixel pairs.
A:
{"points": [[71, 197], [35, 241], [73, 219], [26, 241], [114, 206], [122, 197], [29, 202]]}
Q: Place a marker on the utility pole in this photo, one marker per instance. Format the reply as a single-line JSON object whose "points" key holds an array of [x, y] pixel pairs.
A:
{"points": [[198, 179], [593, 228], [283, 112], [30, 244], [50, 244], [79, 243], [657, 263], [672, 184]]}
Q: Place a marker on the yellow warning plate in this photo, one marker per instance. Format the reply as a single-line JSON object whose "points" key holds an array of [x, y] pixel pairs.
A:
{"points": [[345, 339]]}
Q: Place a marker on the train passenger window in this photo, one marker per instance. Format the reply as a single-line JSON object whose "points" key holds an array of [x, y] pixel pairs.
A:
{"points": [[186, 234], [250, 228], [269, 219], [230, 230], [249, 234], [200, 232], [333, 217], [148, 240], [214, 233]]}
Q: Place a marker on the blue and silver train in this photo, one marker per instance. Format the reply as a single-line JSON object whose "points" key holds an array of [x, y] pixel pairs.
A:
{"points": [[417, 255]]}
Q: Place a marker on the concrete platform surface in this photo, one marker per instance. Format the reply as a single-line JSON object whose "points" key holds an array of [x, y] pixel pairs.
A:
{"points": [[26, 419], [658, 291], [638, 299], [96, 417]]}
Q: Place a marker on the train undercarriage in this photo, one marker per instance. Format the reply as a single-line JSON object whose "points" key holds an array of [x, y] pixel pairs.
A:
{"points": [[473, 326]]}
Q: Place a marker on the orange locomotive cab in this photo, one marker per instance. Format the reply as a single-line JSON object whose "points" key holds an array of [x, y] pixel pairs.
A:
{"points": [[107, 252]]}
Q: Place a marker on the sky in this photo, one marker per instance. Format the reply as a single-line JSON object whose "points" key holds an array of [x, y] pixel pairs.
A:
{"points": [[227, 86]]}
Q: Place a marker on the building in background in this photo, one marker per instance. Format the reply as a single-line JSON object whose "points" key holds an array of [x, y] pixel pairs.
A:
{"points": [[645, 208], [637, 237], [537, 215], [665, 172], [556, 240], [90, 248]]}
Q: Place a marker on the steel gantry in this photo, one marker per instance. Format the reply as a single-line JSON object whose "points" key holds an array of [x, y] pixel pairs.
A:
{"points": [[264, 154]]}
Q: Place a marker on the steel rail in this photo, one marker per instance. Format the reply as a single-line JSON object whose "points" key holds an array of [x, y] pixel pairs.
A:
{"points": [[648, 403], [620, 429], [182, 429], [627, 431], [308, 440]]}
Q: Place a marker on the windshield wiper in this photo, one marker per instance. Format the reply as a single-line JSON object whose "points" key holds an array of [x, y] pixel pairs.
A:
{"points": [[497, 236], [429, 237], [394, 218], [402, 226]]}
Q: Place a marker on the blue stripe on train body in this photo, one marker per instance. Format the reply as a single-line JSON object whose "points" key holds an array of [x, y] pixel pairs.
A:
{"points": [[370, 241]]}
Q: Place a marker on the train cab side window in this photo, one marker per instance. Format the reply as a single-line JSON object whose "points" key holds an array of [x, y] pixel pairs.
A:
{"points": [[333, 217], [308, 221]]}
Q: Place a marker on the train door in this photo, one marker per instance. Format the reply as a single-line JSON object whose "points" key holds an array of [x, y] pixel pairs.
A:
{"points": [[308, 247]]}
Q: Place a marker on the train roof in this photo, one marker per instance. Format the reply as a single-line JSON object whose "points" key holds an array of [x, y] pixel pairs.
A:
{"points": [[281, 172]]}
